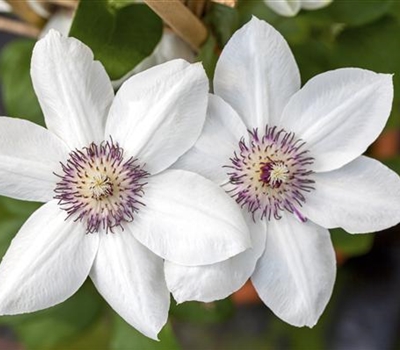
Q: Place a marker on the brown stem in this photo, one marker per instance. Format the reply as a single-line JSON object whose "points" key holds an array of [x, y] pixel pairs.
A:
{"points": [[24, 11], [181, 20]]}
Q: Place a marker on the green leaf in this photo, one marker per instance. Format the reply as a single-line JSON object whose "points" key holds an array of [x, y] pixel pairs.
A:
{"points": [[45, 329], [126, 337], [373, 47], [120, 37], [351, 244], [223, 21], [393, 163], [13, 214], [355, 14], [208, 56], [95, 337], [203, 312], [18, 94]]}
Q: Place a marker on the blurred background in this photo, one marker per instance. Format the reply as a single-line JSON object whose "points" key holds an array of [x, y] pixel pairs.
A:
{"points": [[364, 312]]}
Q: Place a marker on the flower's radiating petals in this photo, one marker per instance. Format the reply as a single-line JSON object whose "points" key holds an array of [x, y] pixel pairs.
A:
{"points": [[29, 154], [47, 262], [217, 281], [363, 196], [189, 220], [219, 139], [287, 8], [74, 91], [295, 275], [257, 74], [339, 114], [131, 279], [314, 4], [158, 114]]}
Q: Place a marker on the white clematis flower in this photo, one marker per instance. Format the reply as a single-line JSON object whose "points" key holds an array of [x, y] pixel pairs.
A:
{"points": [[291, 158], [291, 8], [114, 210]]}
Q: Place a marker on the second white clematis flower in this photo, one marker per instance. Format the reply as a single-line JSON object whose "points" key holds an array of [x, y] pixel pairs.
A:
{"points": [[291, 8], [291, 158], [114, 210]]}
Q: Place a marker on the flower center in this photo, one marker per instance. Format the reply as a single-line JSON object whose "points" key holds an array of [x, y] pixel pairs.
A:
{"points": [[100, 188], [271, 174]]}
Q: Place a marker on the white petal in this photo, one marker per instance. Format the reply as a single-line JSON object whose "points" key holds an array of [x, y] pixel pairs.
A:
{"points": [[74, 91], [363, 196], [256, 74], [189, 220], [158, 114], [218, 141], [286, 8], [29, 154], [296, 273], [217, 281], [339, 114], [131, 279], [47, 262], [314, 4]]}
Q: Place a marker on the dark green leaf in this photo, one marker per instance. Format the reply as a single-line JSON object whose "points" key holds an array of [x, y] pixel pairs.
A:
{"points": [[203, 312], [351, 244], [355, 14], [208, 56], [13, 214], [125, 337], [223, 21], [375, 47], [18, 95], [120, 37], [47, 328]]}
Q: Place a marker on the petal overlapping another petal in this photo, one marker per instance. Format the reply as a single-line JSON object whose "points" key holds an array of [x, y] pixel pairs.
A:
{"points": [[221, 134], [217, 281], [131, 279], [295, 275], [189, 220], [29, 156], [48, 260], [157, 115], [74, 91]]}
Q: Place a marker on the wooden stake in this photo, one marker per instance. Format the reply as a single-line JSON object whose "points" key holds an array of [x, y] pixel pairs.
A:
{"points": [[19, 28], [24, 11], [181, 20]]}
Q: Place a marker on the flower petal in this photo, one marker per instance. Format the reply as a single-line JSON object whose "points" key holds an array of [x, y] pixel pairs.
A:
{"points": [[286, 8], [29, 154], [339, 114], [158, 114], [217, 281], [131, 279], [189, 220], [219, 139], [363, 196], [296, 273], [314, 4], [47, 262], [256, 74], [74, 91]]}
